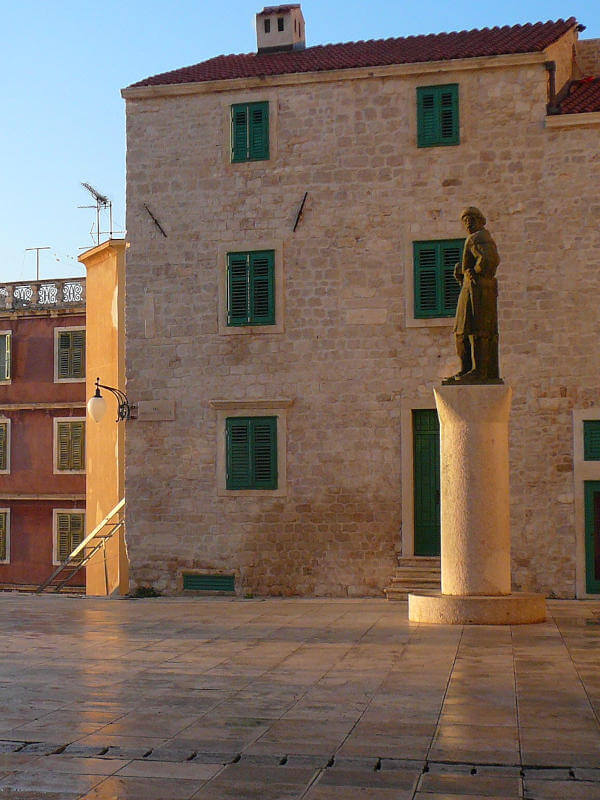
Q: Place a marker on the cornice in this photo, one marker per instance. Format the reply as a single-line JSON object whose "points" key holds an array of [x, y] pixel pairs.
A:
{"points": [[328, 76]]}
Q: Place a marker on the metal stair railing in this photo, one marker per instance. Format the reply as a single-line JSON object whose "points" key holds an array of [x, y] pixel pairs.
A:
{"points": [[74, 561]]}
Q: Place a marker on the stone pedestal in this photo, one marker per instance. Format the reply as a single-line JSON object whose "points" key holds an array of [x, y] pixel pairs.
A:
{"points": [[475, 514]]}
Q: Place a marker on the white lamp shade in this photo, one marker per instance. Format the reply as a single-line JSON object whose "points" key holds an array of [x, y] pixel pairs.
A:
{"points": [[97, 408]]}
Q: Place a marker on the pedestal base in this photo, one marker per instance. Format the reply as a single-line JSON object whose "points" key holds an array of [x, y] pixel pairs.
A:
{"points": [[457, 609]]}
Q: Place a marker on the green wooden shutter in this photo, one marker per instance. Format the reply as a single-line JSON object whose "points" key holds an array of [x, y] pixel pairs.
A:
{"points": [[251, 288], [258, 131], [3, 446], [427, 119], [437, 115], [71, 354], [70, 533], [436, 290], [262, 289], [427, 290], [78, 354], [251, 444], [591, 440], [64, 354], [239, 132], [63, 538], [77, 532], [3, 536], [77, 445], [264, 452], [70, 450], [5, 342], [451, 254], [249, 132], [63, 446], [238, 278], [238, 453], [448, 109]]}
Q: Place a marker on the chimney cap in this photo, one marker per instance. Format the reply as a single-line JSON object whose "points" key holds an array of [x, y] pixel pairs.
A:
{"points": [[278, 9]]}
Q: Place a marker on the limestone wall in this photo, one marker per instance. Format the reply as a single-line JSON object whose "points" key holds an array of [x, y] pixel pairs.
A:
{"points": [[588, 56], [350, 353]]}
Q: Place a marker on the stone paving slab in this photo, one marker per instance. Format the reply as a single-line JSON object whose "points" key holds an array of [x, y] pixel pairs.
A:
{"points": [[221, 699]]}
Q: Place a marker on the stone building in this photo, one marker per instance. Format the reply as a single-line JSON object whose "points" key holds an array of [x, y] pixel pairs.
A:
{"points": [[293, 218], [42, 428]]}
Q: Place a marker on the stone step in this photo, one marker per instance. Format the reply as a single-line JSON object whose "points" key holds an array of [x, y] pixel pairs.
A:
{"points": [[410, 574], [414, 574]]}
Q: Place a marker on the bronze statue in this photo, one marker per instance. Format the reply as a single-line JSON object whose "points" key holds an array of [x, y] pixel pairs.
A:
{"points": [[476, 323]]}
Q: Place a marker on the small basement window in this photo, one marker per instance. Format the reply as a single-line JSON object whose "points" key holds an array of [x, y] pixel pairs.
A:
{"points": [[192, 582]]}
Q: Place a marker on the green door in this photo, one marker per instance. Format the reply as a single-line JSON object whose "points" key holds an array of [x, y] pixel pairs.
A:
{"points": [[592, 537], [426, 460]]}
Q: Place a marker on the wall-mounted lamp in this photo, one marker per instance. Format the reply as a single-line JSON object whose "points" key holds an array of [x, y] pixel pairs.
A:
{"points": [[97, 404]]}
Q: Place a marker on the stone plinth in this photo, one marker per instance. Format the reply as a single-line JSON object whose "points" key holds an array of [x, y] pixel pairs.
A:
{"points": [[455, 609], [475, 514]]}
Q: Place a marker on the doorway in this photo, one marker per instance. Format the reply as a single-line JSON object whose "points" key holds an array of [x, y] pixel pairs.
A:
{"points": [[592, 536], [426, 481]]}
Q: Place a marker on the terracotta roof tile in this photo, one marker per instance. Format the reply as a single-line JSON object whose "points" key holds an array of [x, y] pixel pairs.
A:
{"points": [[528, 38], [583, 96]]}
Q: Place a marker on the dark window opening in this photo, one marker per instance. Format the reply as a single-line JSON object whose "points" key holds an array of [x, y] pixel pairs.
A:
{"points": [[279, 23], [267, 26]]}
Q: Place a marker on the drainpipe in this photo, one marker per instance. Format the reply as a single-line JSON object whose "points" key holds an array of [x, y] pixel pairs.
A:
{"points": [[551, 107]]}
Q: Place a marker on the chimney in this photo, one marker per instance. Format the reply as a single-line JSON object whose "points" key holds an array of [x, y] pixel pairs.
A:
{"points": [[280, 28]]}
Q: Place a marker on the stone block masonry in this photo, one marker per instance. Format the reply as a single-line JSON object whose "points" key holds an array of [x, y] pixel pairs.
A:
{"points": [[351, 351]]}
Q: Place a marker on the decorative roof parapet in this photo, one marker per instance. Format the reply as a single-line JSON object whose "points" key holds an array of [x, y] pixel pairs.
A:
{"points": [[61, 293]]}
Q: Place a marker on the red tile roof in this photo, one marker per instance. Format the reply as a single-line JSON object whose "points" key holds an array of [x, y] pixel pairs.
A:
{"points": [[583, 96], [530, 38]]}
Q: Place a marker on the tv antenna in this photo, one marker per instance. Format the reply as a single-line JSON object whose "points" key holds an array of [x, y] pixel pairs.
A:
{"points": [[102, 203], [37, 259]]}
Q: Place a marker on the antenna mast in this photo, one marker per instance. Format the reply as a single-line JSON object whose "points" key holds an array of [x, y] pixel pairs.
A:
{"points": [[37, 259], [102, 202]]}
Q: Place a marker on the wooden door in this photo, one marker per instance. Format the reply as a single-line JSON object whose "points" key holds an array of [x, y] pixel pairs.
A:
{"points": [[592, 537], [426, 461]]}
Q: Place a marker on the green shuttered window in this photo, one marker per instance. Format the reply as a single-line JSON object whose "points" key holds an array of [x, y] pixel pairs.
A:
{"points": [[251, 288], [249, 132], [4, 465], [251, 444], [3, 535], [71, 354], [437, 115], [436, 290], [69, 533], [5, 356], [70, 446], [591, 440]]}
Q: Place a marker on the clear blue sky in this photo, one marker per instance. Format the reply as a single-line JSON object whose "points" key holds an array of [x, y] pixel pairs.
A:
{"points": [[64, 63]]}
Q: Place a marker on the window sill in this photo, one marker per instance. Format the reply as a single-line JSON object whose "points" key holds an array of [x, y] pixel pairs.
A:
{"points": [[430, 322]]}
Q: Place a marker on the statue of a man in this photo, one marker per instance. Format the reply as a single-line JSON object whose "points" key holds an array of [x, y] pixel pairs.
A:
{"points": [[476, 324]]}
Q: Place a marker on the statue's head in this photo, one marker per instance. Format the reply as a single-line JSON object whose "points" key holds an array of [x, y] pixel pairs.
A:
{"points": [[472, 219]]}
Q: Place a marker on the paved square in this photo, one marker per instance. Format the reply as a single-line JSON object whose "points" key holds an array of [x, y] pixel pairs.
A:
{"points": [[223, 699]]}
